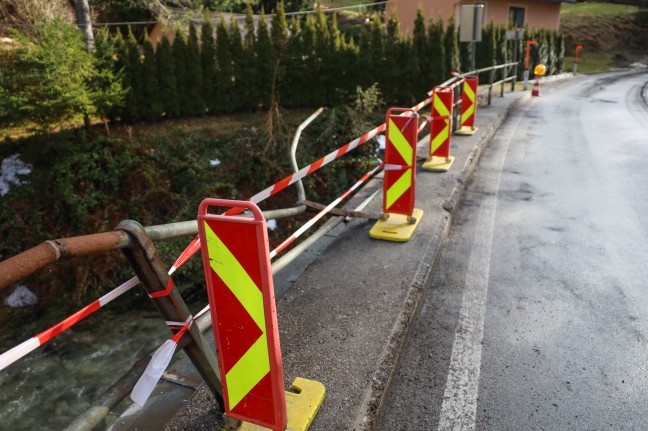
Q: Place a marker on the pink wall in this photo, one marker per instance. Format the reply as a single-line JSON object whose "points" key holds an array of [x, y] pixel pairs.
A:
{"points": [[539, 14]]}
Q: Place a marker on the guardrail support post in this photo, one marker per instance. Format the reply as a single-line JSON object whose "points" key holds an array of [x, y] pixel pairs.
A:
{"points": [[148, 266], [491, 79]]}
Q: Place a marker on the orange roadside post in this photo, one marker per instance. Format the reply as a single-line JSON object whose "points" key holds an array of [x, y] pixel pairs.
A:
{"points": [[526, 64], [578, 47]]}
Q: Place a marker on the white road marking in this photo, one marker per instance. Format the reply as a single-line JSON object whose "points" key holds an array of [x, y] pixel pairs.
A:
{"points": [[459, 408]]}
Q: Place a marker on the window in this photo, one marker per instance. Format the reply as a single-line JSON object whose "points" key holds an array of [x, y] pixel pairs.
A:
{"points": [[516, 16]]}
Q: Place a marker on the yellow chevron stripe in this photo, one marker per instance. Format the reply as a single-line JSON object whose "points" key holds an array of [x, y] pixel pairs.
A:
{"points": [[439, 106], [399, 142], [399, 187], [223, 262], [255, 363], [467, 89], [441, 137], [248, 371]]}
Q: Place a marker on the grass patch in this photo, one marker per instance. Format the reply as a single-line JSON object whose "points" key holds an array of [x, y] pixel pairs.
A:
{"points": [[591, 9], [613, 36]]}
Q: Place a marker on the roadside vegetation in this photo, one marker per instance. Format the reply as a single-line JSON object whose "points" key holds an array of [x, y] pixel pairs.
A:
{"points": [[613, 36]]}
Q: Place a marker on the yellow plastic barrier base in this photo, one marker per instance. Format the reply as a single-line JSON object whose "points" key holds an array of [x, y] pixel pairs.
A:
{"points": [[438, 164], [396, 227], [301, 407], [465, 130]]}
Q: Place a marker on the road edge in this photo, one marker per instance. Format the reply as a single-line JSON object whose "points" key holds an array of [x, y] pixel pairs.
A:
{"points": [[372, 408]]}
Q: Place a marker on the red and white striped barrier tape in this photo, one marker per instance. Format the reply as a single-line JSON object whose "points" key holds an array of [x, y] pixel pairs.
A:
{"points": [[158, 363], [307, 170], [189, 251], [322, 213], [422, 126], [26, 347]]}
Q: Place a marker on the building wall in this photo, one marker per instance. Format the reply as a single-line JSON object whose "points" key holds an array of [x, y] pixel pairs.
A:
{"points": [[538, 14]]}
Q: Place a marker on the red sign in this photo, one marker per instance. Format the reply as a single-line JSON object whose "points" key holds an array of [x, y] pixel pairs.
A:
{"points": [[241, 296], [400, 162], [469, 101], [441, 127]]}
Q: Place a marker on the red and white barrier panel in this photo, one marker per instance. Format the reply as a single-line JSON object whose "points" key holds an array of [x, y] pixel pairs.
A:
{"points": [[26, 347], [440, 159], [468, 106]]}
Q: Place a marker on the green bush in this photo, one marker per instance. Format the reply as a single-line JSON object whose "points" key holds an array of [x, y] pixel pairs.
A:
{"points": [[53, 81]]}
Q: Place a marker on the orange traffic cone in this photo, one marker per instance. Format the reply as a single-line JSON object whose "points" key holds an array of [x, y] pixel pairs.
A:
{"points": [[536, 88]]}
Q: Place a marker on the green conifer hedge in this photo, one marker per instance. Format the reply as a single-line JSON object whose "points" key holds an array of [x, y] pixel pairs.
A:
{"points": [[307, 62]]}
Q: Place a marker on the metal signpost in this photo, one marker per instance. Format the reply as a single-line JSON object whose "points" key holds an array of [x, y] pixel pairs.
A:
{"points": [[470, 29], [515, 35]]}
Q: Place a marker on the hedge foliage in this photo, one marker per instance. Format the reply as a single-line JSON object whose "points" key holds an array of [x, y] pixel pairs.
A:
{"points": [[304, 62]]}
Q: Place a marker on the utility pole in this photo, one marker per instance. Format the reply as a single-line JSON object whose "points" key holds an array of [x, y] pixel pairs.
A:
{"points": [[84, 21]]}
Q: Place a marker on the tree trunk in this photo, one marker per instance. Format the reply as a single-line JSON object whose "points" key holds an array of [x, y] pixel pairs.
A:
{"points": [[84, 21]]}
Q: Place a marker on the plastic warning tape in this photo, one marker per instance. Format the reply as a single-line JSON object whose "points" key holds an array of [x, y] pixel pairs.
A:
{"points": [[423, 124], [281, 247], [450, 82], [309, 169], [23, 349]]}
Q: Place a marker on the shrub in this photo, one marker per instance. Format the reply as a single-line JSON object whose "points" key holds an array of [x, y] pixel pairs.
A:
{"points": [[52, 80]]}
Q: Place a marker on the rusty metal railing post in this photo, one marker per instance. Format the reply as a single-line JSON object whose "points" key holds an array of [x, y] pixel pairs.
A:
{"points": [[456, 109], [148, 266], [491, 79]]}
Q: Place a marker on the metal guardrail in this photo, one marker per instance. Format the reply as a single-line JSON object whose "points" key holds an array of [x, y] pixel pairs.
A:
{"points": [[28, 262]]}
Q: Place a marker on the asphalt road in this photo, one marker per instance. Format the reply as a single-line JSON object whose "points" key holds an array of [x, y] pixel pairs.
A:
{"points": [[537, 316]]}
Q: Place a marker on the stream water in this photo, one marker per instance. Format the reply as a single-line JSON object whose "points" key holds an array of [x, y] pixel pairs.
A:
{"points": [[49, 388]]}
